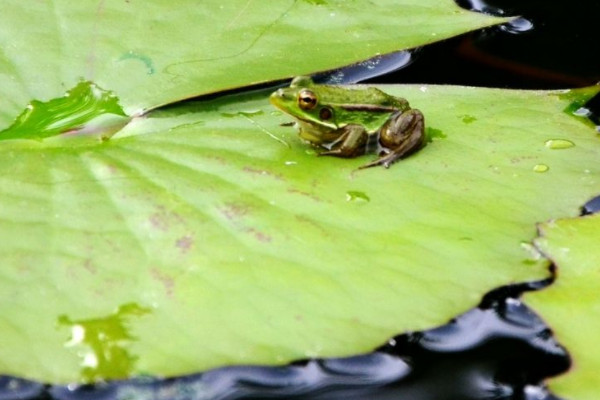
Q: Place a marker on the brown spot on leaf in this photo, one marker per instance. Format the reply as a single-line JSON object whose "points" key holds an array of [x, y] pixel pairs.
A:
{"points": [[303, 193], [185, 243], [260, 236], [233, 211], [89, 266], [159, 222], [262, 172], [309, 221], [163, 218], [516, 160], [167, 281]]}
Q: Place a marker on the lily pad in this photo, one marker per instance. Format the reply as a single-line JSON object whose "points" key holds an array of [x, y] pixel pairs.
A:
{"points": [[152, 53], [208, 235], [571, 305]]}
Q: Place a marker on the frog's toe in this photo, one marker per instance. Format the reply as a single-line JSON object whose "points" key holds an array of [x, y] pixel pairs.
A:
{"points": [[335, 152], [343, 151], [383, 161]]}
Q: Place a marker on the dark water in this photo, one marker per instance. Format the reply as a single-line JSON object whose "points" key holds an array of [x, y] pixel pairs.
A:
{"points": [[499, 350], [552, 46]]}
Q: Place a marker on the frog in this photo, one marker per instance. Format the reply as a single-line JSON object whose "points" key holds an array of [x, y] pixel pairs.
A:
{"points": [[349, 122]]}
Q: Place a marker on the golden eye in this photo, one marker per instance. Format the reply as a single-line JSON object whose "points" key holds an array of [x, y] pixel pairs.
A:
{"points": [[325, 113], [307, 100]]}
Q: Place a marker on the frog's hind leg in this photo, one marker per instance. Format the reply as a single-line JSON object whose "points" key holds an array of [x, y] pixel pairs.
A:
{"points": [[351, 143], [401, 135]]}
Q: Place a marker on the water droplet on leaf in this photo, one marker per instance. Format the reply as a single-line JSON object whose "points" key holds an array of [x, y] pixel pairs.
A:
{"points": [[582, 112], [467, 119], [541, 168], [431, 133], [557, 144], [353, 195]]}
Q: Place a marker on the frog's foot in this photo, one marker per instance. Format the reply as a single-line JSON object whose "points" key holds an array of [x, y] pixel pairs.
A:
{"points": [[386, 160], [351, 143], [401, 136]]}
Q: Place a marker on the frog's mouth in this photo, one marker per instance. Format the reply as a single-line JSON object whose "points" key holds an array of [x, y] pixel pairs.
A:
{"points": [[279, 99], [320, 125]]}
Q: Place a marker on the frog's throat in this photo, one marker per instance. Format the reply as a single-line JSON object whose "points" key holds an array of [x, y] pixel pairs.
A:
{"points": [[317, 134]]}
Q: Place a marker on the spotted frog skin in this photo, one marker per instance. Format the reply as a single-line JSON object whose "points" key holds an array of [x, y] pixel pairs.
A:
{"points": [[346, 122]]}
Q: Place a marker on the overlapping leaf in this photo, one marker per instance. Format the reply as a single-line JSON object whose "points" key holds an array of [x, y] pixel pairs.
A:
{"points": [[571, 304], [154, 52]]}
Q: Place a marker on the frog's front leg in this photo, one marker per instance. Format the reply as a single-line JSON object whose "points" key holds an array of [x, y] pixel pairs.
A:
{"points": [[401, 135], [352, 142]]}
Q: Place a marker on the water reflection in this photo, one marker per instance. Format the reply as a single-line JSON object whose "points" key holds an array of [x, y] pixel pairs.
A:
{"points": [[382, 64]]}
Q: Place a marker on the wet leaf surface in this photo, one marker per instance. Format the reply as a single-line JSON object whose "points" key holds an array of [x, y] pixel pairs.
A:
{"points": [[243, 247]]}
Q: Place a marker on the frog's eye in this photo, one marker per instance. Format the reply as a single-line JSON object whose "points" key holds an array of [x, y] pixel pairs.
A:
{"points": [[307, 100], [325, 113]]}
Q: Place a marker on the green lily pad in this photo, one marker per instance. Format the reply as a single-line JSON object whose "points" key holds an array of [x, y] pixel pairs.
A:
{"points": [[570, 305], [217, 237], [152, 53]]}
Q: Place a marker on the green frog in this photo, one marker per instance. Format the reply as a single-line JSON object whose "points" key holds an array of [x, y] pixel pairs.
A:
{"points": [[350, 122]]}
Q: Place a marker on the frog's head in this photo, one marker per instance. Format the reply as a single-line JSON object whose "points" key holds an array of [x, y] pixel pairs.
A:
{"points": [[301, 101]]}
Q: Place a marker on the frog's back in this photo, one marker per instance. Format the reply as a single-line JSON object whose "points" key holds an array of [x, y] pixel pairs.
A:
{"points": [[337, 95]]}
